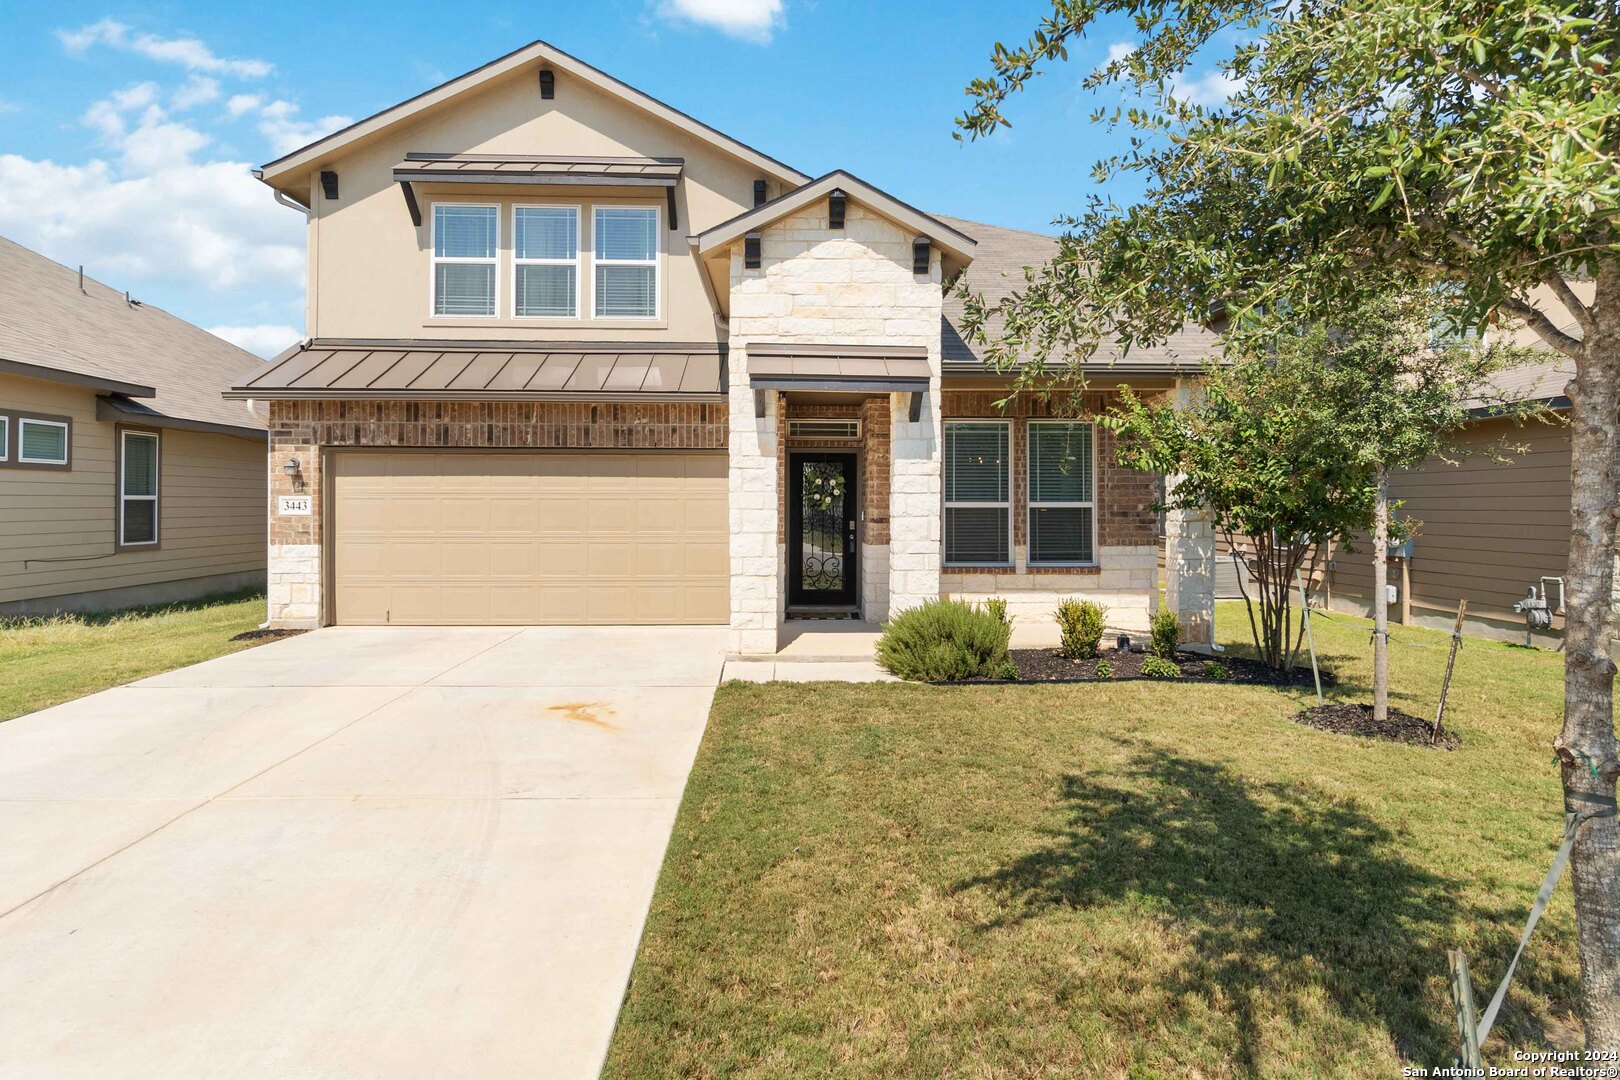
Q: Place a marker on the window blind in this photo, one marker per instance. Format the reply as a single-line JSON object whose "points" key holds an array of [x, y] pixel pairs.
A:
{"points": [[977, 486]]}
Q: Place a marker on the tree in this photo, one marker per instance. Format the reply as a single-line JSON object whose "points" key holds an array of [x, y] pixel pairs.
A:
{"points": [[1474, 143]]}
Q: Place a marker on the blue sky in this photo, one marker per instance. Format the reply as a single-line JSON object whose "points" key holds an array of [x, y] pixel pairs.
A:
{"points": [[127, 131]]}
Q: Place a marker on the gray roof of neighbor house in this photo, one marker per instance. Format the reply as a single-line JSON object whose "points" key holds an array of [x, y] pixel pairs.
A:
{"points": [[152, 366], [998, 270], [1543, 382]]}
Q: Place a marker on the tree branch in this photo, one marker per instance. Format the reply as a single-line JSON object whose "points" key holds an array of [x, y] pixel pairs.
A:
{"points": [[1566, 296], [1564, 343]]}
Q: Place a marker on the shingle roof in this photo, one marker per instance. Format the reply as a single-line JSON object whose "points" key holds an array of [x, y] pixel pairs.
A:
{"points": [[94, 337], [1542, 382], [998, 270]]}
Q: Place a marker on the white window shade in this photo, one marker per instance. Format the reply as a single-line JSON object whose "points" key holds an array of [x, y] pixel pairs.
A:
{"points": [[545, 250]]}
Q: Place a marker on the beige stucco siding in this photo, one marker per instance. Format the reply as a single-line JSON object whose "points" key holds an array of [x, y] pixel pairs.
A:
{"points": [[1488, 529], [370, 266], [212, 506]]}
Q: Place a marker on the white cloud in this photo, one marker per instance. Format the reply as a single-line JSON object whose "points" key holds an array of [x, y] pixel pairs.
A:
{"points": [[198, 90], [9, 107], [1119, 50], [265, 339], [747, 20], [188, 52], [1209, 89], [243, 103], [278, 122]]}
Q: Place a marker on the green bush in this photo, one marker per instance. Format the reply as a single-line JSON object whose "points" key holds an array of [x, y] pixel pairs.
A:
{"points": [[1165, 634], [1105, 670], [1009, 671], [1156, 667], [1080, 622], [1214, 669], [997, 606], [944, 640]]}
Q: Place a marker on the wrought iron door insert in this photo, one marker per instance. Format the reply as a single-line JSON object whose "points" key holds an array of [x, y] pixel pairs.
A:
{"points": [[821, 529]]}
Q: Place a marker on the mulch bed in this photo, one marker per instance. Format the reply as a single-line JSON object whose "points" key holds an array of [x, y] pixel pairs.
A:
{"points": [[1357, 720], [262, 636], [1050, 665]]}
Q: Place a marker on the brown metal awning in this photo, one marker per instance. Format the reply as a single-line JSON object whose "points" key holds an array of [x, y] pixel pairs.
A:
{"points": [[838, 368], [520, 169], [350, 370]]}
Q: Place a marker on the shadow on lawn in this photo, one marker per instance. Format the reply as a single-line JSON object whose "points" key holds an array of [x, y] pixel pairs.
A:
{"points": [[1283, 896]]}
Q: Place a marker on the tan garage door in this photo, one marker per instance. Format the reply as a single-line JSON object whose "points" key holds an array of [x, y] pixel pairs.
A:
{"points": [[468, 538]]}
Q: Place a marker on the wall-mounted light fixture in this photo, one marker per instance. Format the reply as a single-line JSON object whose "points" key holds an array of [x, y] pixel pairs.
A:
{"points": [[294, 474]]}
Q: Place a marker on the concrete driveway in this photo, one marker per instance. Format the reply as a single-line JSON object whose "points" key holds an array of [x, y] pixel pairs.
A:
{"points": [[390, 853]]}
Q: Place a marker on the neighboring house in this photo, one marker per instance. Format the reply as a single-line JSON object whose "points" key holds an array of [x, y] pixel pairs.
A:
{"points": [[576, 357], [125, 478]]}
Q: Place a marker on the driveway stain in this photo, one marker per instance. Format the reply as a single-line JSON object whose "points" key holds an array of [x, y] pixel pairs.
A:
{"points": [[586, 712]]}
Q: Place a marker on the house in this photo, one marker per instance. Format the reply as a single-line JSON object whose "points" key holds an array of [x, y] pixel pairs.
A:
{"points": [[576, 357], [125, 478]]}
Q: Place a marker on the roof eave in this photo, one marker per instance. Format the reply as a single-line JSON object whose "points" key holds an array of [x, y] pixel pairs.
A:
{"points": [[76, 378]]}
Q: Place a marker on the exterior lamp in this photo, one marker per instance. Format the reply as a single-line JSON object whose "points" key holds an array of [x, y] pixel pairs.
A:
{"points": [[291, 469]]}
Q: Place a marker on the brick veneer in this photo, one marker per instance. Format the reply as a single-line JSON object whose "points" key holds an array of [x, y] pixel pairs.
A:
{"points": [[871, 447], [301, 429]]}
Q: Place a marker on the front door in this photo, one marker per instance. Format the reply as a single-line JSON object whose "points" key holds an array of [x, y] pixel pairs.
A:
{"points": [[821, 529]]}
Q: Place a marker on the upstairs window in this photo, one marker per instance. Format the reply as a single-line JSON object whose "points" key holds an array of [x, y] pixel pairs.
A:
{"points": [[137, 489], [465, 239], [626, 283], [1062, 506], [545, 252], [978, 505]]}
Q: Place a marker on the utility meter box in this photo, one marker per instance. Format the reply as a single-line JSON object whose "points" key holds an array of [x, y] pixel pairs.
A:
{"points": [[1392, 594]]}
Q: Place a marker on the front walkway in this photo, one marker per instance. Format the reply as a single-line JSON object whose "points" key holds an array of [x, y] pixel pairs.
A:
{"points": [[393, 852]]}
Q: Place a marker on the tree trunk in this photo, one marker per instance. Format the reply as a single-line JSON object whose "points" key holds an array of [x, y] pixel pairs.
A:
{"points": [[1381, 599], [1586, 746]]}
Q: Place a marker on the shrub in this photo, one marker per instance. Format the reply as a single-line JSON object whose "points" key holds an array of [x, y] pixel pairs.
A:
{"points": [[942, 641], [1009, 671], [1165, 633], [1214, 669], [997, 606], [1157, 667], [1105, 670], [1080, 622]]}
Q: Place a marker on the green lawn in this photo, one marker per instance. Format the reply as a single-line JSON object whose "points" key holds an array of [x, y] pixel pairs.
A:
{"points": [[1142, 879], [48, 661]]}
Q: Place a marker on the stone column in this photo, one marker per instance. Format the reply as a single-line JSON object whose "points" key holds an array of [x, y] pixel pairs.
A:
{"points": [[1189, 557], [756, 561], [914, 501]]}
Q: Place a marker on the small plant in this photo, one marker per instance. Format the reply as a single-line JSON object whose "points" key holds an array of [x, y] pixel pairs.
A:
{"points": [[1157, 667], [1164, 634], [1105, 670], [1009, 671], [943, 641], [997, 606], [1214, 669], [1080, 622]]}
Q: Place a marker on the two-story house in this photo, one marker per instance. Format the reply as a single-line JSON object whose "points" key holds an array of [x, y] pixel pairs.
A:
{"points": [[576, 357]]}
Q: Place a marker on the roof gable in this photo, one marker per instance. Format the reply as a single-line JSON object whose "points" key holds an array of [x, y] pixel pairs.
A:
{"points": [[288, 172]]}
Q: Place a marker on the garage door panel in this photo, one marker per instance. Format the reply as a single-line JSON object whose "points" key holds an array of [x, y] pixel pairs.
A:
{"points": [[469, 537]]}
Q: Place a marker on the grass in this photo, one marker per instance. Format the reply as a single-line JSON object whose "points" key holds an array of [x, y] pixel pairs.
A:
{"points": [[1135, 880], [49, 661]]}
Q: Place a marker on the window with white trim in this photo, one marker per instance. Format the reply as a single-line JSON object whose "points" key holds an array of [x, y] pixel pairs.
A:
{"points": [[978, 490], [466, 241], [625, 239], [5, 438], [545, 256], [1062, 494], [41, 442], [137, 488]]}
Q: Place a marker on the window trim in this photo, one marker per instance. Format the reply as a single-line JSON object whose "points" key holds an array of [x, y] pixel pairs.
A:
{"points": [[122, 432], [578, 262], [656, 262], [434, 259], [1030, 504], [5, 438], [947, 504], [13, 457]]}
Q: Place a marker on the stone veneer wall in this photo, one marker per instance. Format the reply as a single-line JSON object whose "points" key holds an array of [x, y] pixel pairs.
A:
{"points": [[1189, 554], [848, 287], [1126, 577], [302, 429]]}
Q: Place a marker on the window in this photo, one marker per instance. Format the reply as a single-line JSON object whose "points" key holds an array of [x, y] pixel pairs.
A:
{"points": [[465, 239], [978, 510], [137, 488], [545, 251], [42, 442], [626, 262], [1062, 510], [5, 438]]}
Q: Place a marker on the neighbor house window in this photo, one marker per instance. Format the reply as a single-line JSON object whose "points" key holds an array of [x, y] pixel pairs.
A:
{"points": [[626, 242], [137, 488], [545, 252], [1062, 502], [42, 442], [978, 507], [5, 438], [465, 239]]}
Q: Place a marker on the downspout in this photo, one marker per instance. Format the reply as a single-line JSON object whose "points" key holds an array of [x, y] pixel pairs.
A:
{"points": [[287, 200]]}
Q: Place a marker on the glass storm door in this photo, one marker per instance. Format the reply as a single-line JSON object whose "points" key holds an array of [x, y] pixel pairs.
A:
{"points": [[821, 529]]}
